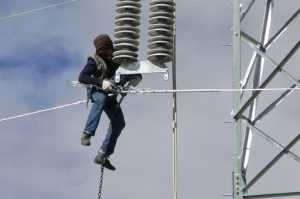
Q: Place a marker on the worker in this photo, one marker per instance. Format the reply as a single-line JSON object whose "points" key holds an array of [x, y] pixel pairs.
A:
{"points": [[98, 72]]}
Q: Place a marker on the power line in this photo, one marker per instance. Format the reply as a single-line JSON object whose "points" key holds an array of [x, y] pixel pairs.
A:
{"points": [[201, 90], [38, 9], [214, 90], [43, 110], [144, 90]]}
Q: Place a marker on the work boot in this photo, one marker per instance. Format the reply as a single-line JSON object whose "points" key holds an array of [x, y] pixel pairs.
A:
{"points": [[85, 139], [102, 159]]}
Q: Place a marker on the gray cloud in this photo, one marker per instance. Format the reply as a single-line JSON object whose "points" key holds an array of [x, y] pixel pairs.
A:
{"points": [[42, 156]]}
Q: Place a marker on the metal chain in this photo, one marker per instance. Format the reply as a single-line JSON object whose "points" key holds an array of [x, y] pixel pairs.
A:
{"points": [[101, 182]]}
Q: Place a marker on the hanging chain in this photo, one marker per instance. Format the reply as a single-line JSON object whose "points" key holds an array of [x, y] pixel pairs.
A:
{"points": [[101, 182]]}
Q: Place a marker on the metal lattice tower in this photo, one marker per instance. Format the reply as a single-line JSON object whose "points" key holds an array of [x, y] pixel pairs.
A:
{"points": [[246, 111]]}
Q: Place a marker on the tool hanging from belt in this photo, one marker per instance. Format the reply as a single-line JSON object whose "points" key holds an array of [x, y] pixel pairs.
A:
{"points": [[117, 89]]}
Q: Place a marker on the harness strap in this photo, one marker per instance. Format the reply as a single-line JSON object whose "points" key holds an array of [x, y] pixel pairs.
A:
{"points": [[101, 65]]}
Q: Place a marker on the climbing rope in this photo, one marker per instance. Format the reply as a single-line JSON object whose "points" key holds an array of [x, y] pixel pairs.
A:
{"points": [[101, 182]]}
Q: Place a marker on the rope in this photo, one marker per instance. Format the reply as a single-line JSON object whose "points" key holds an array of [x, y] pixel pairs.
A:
{"points": [[43, 110], [38, 9], [101, 182]]}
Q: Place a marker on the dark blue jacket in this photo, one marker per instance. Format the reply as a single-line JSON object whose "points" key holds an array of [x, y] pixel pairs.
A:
{"points": [[91, 75]]}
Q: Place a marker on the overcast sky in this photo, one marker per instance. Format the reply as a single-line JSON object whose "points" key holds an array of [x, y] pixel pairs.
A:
{"points": [[41, 155]]}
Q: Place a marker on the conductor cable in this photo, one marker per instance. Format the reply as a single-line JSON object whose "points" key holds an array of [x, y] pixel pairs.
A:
{"points": [[144, 90], [38, 9], [43, 110], [214, 90]]}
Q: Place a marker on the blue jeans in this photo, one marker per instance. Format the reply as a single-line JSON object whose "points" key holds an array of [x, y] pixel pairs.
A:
{"points": [[102, 102]]}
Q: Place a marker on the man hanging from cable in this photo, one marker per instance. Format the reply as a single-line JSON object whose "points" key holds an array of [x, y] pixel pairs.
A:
{"points": [[99, 72]]}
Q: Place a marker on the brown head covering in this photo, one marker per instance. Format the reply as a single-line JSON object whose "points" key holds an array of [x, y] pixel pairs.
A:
{"points": [[102, 43]]}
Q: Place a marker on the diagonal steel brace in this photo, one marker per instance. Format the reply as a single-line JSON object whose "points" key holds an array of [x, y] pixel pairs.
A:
{"points": [[266, 168]]}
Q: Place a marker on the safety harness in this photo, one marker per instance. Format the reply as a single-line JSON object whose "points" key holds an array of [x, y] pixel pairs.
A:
{"points": [[101, 65]]}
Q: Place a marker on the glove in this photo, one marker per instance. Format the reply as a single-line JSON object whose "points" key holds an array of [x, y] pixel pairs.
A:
{"points": [[108, 85], [135, 80]]}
